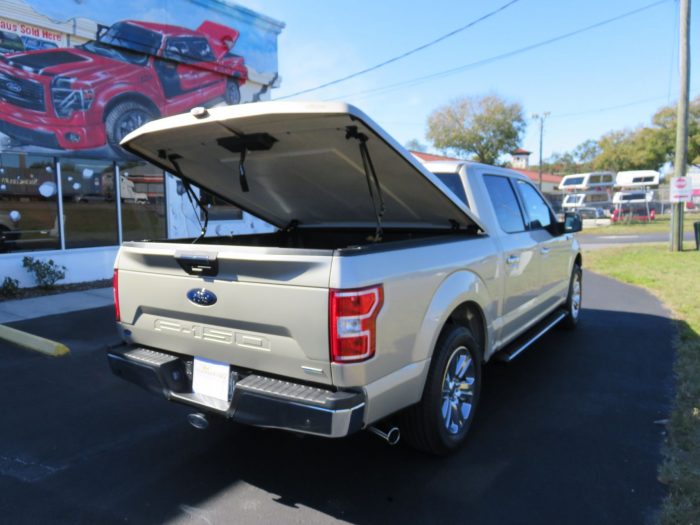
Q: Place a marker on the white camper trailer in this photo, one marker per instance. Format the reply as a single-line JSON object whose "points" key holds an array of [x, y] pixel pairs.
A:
{"points": [[635, 194], [584, 190], [637, 179]]}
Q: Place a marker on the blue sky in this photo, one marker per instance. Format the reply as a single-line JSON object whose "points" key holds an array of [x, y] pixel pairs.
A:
{"points": [[631, 62]]}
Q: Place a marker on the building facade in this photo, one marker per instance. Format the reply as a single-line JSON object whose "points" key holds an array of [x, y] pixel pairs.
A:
{"points": [[520, 159], [75, 78]]}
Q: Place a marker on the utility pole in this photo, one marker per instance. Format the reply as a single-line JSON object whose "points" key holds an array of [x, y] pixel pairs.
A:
{"points": [[681, 160], [541, 118]]}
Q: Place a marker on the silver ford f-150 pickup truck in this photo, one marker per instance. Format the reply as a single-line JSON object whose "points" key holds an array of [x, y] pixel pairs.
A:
{"points": [[386, 286]]}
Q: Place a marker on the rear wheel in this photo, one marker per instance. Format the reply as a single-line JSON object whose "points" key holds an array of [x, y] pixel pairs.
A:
{"points": [[439, 423], [573, 300], [233, 92]]}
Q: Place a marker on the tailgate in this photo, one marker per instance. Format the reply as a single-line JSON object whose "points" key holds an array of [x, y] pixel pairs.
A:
{"points": [[266, 308]]}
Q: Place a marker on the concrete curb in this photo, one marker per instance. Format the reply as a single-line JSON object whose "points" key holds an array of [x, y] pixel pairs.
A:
{"points": [[33, 342]]}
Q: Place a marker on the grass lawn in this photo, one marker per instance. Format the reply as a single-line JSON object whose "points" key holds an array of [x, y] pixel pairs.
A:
{"points": [[674, 278], [661, 224]]}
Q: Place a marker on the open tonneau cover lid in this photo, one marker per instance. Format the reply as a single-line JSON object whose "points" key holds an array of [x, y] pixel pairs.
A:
{"points": [[302, 165]]}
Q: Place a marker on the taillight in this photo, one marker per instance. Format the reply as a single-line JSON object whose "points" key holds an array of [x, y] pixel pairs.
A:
{"points": [[353, 323], [115, 288]]}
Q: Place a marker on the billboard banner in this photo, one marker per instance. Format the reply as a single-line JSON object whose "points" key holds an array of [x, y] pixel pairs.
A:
{"points": [[76, 77]]}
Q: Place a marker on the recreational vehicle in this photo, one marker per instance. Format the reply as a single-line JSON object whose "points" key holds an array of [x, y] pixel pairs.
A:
{"points": [[585, 190], [635, 194]]}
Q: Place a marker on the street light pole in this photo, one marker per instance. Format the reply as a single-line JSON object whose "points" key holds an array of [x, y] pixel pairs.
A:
{"points": [[541, 118], [681, 160]]}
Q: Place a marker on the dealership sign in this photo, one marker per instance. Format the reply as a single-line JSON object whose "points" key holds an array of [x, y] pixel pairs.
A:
{"points": [[30, 37], [681, 189]]}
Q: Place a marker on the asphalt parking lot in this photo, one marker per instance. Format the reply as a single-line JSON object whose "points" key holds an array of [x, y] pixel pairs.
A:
{"points": [[568, 433]]}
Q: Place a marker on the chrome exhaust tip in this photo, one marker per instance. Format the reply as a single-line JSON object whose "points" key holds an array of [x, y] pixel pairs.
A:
{"points": [[391, 436], [198, 420]]}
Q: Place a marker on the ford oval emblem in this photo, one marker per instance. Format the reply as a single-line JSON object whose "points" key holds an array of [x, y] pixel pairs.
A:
{"points": [[201, 297], [14, 87]]}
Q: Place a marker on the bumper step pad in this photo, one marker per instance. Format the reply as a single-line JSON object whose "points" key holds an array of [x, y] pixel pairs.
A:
{"points": [[257, 400]]}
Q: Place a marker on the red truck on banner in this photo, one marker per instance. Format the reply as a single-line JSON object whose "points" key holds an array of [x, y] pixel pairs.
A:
{"points": [[95, 94]]}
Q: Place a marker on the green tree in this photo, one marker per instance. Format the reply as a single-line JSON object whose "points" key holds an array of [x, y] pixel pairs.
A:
{"points": [[642, 148], [646, 147], [586, 152], [664, 121], [480, 127], [561, 164]]}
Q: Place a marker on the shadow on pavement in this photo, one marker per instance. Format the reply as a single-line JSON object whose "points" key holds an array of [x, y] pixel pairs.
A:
{"points": [[565, 434]]}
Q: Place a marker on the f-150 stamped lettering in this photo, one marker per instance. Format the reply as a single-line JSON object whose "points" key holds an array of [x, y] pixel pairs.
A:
{"points": [[198, 331]]}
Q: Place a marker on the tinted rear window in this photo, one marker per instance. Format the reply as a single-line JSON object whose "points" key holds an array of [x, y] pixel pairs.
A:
{"points": [[454, 183]]}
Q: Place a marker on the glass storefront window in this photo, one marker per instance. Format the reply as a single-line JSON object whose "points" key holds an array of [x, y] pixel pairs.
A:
{"points": [[143, 201], [89, 207], [28, 203]]}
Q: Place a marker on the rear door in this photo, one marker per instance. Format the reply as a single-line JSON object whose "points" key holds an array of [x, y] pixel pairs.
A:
{"points": [[553, 250], [521, 261]]}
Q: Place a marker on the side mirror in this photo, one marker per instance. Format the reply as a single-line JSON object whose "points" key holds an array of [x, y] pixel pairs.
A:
{"points": [[572, 222]]}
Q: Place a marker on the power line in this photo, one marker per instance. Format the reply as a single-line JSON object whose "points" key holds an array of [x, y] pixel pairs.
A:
{"points": [[608, 108], [573, 114], [485, 61], [407, 53]]}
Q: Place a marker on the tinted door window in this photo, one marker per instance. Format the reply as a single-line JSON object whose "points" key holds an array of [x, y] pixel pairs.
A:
{"points": [[537, 209], [505, 203]]}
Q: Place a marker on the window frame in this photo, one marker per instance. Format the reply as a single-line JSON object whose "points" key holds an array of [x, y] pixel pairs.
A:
{"points": [[523, 216], [552, 215]]}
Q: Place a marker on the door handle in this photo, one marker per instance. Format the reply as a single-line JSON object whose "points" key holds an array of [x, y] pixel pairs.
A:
{"points": [[513, 259], [544, 250]]}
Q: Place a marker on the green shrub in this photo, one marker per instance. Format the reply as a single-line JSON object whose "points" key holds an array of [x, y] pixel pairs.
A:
{"points": [[46, 273], [9, 287]]}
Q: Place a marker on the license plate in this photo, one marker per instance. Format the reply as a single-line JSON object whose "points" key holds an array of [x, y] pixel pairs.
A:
{"points": [[211, 378]]}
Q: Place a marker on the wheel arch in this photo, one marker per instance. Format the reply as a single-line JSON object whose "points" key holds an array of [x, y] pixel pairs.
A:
{"points": [[470, 315], [461, 299], [130, 97]]}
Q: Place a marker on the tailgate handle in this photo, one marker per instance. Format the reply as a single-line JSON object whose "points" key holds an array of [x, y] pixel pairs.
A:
{"points": [[198, 264]]}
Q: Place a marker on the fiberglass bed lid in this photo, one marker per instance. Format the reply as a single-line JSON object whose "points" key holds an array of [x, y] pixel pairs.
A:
{"points": [[302, 163]]}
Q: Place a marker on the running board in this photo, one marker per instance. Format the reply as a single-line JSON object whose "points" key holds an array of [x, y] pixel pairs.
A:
{"points": [[523, 342]]}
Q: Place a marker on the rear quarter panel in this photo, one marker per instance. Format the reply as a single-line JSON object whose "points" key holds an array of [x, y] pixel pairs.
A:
{"points": [[422, 286]]}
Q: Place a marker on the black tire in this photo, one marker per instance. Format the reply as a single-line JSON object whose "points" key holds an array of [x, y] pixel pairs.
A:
{"points": [[425, 425], [573, 299], [124, 118], [233, 93]]}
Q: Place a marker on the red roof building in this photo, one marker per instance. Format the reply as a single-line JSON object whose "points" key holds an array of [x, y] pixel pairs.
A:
{"points": [[429, 157], [549, 181]]}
